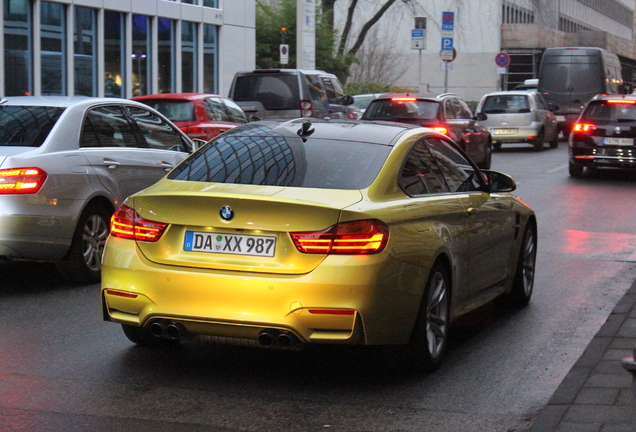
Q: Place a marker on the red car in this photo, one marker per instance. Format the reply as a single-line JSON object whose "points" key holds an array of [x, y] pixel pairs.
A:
{"points": [[199, 115]]}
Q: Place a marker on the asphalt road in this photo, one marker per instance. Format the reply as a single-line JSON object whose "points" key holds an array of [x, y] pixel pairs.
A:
{"points": [[63, 369]]}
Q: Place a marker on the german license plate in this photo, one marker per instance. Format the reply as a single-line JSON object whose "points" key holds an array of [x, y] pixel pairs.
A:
{"points": [[618, 141], [560, 118], [236, 244], [505, 131]]}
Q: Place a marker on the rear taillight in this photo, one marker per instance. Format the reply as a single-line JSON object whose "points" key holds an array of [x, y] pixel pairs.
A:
{"points": [[21, 180], [126, 223], [196, 132], [403, 99], [306, 108], [584, 127], [348, 238]]}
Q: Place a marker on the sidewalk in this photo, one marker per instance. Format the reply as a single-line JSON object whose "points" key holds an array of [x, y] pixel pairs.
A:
{"points": [[599, 393]]}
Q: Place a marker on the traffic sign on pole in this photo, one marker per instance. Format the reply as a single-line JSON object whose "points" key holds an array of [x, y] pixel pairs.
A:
{"points": [[502, 59]]}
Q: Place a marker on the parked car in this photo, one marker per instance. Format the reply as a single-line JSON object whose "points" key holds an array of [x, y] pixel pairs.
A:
{"points": [[291, 93], [362, 101], [519, 117], [446, 113], [200, 115], [529, 84], [604, 135], [66, 164], [329, 232]]}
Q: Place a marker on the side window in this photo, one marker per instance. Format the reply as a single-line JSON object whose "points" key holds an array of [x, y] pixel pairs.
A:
{"points": [[107, 127], [458, 172], [235, 112], [420, 175], [464, 109], [449, 113], [156, 133], [331, 92], [317, 90], [215, 109], [540, 102]]}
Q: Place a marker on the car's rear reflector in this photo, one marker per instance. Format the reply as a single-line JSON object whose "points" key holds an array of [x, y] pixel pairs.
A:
{"points": [[126, 223], [348, 238], [21, 180]]}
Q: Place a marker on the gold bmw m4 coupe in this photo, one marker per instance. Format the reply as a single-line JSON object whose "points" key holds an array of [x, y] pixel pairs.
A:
{"points": [[280, 235]]}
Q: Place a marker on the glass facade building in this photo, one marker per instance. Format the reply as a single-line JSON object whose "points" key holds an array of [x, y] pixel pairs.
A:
{"points": [[119, 48]]}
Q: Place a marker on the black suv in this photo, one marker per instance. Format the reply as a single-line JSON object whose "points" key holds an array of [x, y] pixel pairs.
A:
{"points": [[604, 134], [446, 113], [291, 93]]}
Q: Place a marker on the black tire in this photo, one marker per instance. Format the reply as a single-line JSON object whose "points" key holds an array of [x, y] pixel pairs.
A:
{"points": [[142, 336], [430, 335], [523, 284], [539, 141], [83, 263], [555, 141], [575, 170], [496, 146]]}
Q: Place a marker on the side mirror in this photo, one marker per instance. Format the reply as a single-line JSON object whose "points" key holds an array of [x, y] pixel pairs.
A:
{"points": [[346, 100], [499, 182], [553, 106], [481, 117]]}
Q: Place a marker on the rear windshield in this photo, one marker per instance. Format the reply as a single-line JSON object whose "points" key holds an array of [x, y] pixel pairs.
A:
{"points": [[174, 110], [506, 104], [605, 112], [256, 155], [582, 75], [388, 109], [27, 126], [275, 92]]}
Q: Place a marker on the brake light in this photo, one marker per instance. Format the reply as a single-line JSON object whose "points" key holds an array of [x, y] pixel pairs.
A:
{"points": [[21, 180], [621, 101], [403, 99], [440, 129], [195, 132], [584, 127], [126, 223], [347, 238], [306, 108]]}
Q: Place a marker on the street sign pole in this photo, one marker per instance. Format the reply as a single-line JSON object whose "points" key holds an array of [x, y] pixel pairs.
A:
{"points": [[448, 51]]}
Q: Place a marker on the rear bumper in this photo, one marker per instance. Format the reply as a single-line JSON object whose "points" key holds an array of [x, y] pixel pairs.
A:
{"points": [[345, 300], [521, 135], [601, 156]]}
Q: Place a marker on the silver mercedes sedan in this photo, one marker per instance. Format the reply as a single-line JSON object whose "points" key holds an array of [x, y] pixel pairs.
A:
{"points": [[66, 163]]}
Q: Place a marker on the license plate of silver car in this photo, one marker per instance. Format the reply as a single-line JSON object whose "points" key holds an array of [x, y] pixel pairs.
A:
{"points": [[618, 141], [236, 244], [505, 131]]}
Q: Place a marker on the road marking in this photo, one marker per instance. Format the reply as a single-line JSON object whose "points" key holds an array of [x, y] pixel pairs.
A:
{"points": [[557, 169]]}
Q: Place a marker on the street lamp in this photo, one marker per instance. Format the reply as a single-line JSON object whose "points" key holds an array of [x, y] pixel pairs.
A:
{"points": [[139, 56]]}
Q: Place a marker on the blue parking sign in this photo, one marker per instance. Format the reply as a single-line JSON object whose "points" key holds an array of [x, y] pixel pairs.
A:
{"points": [[447, 44]]}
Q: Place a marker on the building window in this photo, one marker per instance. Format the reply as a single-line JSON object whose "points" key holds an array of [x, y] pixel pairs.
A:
{"points": [[166, 55], [53, 42], [189, 56], [209, 58], [114, 51], [211, 3], [85, 51], [190, 1], [141, 54], [17, 48]]}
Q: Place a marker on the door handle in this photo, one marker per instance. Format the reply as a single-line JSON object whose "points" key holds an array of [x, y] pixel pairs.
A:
{"points": [[111, 164], [166, 165]]}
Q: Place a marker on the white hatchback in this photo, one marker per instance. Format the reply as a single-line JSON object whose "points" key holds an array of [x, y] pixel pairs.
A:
{"points": [[519, 117], [66, 164]]}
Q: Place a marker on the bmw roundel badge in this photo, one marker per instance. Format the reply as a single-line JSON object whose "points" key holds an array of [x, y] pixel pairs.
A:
{"points": [[226, 213]]}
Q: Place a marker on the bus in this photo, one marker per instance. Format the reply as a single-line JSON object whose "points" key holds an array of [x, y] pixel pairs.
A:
{"points": [[570, 76]]}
